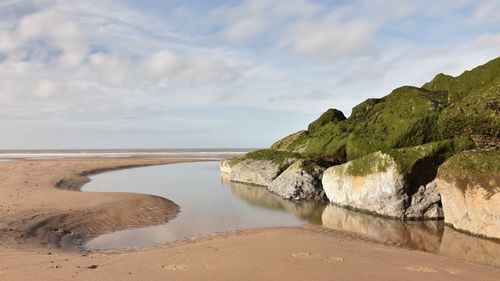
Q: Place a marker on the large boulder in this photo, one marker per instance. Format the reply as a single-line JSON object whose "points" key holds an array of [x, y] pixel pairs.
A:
{"points": [[225, 167], [256, 172], [258, 167], [301, 181], [395, 183], [426, 203], [469, 184], [382, 190]]}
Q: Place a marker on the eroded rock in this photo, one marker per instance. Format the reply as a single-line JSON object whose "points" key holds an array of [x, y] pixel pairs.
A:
{"points": [[469, 184], [225, 167], [301, 181], [256, 172], [426, 203], [382, 190]]}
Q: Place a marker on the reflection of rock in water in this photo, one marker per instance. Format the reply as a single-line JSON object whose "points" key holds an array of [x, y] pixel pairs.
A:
{"points": [[225, 179], [419, 235], [471, 248], [429, 236], [260, 196]]}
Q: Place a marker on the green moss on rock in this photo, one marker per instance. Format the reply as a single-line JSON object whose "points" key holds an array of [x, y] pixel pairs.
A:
{"points": [[473, 168], [473, 105], [271, 154], [281, 158], [330, 116], [295, 142], [424, 158], [376, 162], [328, 144], [403, 118], [471, 81], [476, 115], [446, 108], [360, 110]]}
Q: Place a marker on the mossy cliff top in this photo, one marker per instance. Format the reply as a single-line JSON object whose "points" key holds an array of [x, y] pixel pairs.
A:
{"points": [[403, 118], [330, 116], [281, 158], [471, 168], [409, 160], [473, 104], [445, 108]]}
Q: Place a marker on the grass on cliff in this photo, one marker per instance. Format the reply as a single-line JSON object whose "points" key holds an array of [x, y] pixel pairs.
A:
{"points": [[472, 168], [425, 157], [445, 108], [330, 116], [276, 156], [473, 104], [404, 118], [295, 142]]}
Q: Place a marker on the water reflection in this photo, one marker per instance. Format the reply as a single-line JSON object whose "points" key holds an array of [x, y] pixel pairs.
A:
{"points": [[418, 235], [205, 200], [428, 236], [258, 196], [471, 248]]}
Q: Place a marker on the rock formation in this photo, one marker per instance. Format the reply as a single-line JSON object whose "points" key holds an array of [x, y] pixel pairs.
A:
{"points": [[469, 184], [301, 181], [385, 156], [396, 183]]}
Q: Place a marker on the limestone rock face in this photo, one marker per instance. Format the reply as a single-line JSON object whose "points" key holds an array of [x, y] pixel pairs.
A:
{"points": [[469, 184], [256, 172], [426, 203], [299, 182], [225, 167], [382, 192], [472, 210], [377, 183]]}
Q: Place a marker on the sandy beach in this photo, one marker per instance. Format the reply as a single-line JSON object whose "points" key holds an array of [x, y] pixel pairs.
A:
{"points": [[44, 218]]}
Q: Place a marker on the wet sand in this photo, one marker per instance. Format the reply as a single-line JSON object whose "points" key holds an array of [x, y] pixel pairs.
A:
{"points": [[41, 227]]}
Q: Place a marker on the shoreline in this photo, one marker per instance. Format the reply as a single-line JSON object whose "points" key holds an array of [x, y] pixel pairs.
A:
{"points": [[60, 215], [56, 229]]}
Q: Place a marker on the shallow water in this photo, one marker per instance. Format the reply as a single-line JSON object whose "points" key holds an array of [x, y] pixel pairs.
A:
{"points": [[210, 204], [207, 204]]}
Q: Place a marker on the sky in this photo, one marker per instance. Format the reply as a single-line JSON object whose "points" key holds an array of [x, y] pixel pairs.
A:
{"points": [[213, 73]]}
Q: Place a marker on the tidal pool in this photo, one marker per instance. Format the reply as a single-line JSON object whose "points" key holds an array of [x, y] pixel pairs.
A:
{"points": [[210, 204]]}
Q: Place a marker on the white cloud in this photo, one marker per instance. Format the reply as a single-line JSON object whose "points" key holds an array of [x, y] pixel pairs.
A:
{"points": [[309, 29], [254, 17], [491, 41], [56, 31], [245, 29], [210, 70], [487, 12], [112, 68], [7, 42], [163, 63], [330, 37], [46, 88], [69, 64]]}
